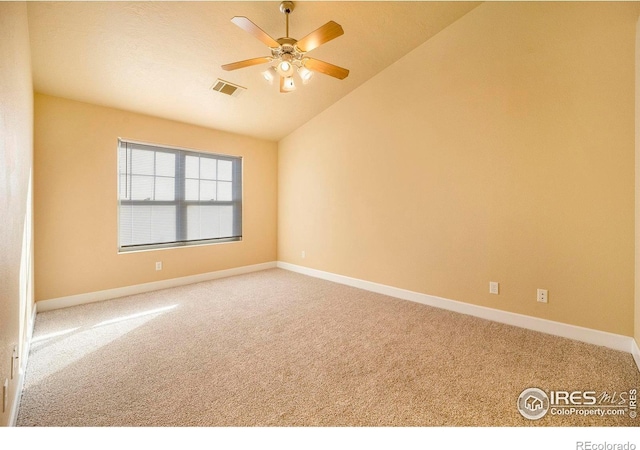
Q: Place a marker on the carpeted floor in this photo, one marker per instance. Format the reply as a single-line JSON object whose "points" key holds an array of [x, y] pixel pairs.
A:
{"points": [[275, 348]]}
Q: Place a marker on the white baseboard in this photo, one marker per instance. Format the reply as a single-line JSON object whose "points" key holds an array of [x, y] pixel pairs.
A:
{"points": [[602, 338], [596, 337], [635, 351], [15, 406], [90, 297]]}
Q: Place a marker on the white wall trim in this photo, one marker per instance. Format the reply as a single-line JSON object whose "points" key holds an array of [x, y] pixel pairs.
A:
{"points": [[590, 336], [635, 351], [90, 297], [15, 406]]}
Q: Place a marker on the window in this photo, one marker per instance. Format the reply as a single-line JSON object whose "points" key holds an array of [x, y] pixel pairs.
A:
{"points": [[170, 197]]}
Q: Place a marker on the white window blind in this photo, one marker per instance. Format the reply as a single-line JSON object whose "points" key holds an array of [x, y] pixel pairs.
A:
{"points": [[171, 197]]}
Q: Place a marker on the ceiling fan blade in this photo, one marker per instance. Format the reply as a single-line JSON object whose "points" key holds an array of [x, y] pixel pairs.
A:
{"points": [[255, 31], [315, 39], [247, 63], [326, 68]]}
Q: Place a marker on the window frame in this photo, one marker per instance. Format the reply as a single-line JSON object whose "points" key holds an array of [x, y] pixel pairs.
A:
{"points": [[181, 204]]}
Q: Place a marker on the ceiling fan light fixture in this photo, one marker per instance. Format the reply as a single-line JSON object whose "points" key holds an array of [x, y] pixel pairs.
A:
{"points": [[269, 75], [289, 85], [285, 69], [305, 74]]}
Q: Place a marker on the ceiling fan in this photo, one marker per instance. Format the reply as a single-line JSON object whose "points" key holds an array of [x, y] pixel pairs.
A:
{"points": [[288, 54]]}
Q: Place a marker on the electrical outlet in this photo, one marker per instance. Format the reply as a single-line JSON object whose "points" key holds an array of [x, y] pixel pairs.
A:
{"points": [[159, 265], [5, 395], [543, 296], [303, 254], [494, 287]]}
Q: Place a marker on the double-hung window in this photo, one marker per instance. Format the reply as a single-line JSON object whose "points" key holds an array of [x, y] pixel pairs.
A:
{"points": [[172, 197]]}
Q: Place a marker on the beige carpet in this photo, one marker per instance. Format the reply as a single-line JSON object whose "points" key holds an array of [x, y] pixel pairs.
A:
{"points": [[275, 348]]}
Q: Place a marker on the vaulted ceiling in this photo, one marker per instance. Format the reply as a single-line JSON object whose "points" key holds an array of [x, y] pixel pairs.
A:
{"points": [[161, 58]]}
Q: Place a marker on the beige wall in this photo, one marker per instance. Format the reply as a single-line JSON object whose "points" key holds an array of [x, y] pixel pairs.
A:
{"points": [[16, 157], [500, 150], [76, 205]]}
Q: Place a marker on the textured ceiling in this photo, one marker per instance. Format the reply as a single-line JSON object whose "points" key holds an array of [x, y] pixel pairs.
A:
{"points": [[161, 58]]}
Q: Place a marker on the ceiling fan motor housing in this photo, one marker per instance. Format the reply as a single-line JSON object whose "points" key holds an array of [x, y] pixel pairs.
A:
{"points": [[287, 50]]}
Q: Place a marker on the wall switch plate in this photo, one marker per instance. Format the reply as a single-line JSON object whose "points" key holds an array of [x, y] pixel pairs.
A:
{"points": [[543, 296], [159, 265], [494, 287]]}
